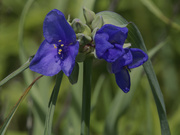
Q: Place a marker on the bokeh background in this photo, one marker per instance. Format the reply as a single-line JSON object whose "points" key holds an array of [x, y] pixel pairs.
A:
{"points": [[21, 24]]}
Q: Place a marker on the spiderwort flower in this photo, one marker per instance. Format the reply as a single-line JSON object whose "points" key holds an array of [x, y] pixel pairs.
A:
{"points": [[109, 42], [132, 58], [59, 49]]}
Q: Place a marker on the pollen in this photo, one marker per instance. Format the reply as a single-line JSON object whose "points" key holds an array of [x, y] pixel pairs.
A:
{"points": [[62, 45], [59, 41], [54, 46], [59, 51]]}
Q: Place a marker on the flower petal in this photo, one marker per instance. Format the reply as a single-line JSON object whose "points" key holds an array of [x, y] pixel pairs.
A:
{"points": [[102, 45], [113, 54], [69, 62], [119, 37], [45, 61], [139, 57], [109, 29], [125, 60], [123, 80], [116, 34], [56, 28]]}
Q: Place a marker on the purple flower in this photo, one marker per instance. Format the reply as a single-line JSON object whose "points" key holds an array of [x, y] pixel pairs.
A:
{"points": [[132, 58], [59, 49], [109, 42]]}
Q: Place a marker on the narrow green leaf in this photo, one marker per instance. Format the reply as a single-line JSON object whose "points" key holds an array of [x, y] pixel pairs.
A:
{"points": [[52, 104], [8, 119], [136, 39], [73, 78], [86, 97], [13, 74]]}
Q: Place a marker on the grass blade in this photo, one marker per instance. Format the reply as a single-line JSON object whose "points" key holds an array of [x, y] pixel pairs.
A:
{"points": [[5, 124], [136, 39], [13, 74], [52, 103]]}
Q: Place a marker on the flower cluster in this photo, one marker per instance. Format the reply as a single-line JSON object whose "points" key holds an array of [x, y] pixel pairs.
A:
{"points": [[59, 49], [109, 42]]}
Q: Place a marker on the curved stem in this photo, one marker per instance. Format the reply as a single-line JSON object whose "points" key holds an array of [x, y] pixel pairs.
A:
{"points": [[86, 96]]}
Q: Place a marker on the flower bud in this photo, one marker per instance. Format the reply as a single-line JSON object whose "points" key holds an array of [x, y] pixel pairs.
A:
{"points": [[88, 15], [77, 26], [80, 27], [97, 22], [83, 39]]}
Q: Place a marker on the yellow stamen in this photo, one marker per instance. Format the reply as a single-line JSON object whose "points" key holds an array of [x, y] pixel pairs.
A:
{"points": [[54, 46], [60, 50], [59, 41], [62, 45]]}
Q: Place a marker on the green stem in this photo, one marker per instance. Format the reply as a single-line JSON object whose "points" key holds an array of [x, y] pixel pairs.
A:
{"points": [[86, 99]]}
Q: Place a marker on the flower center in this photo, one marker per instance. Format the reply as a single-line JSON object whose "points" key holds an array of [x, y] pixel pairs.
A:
{"points": [[60, 48]]}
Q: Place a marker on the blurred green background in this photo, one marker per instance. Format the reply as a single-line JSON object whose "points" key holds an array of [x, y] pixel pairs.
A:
{"points": [[133, 113]]}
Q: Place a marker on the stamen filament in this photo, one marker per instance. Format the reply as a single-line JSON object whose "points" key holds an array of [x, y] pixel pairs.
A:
{"points": [[54, 46]]}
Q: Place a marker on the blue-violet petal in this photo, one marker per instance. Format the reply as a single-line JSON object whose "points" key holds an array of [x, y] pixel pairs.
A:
{"points": [[56, 28], [102, 44], [119, 37], [45, 61], [113, 54], [68, 63], [139, 57], [123, 80], [125, 60]]}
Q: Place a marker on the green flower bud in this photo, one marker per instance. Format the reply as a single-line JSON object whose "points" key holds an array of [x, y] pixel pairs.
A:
{"points": [[80, 27], [88, 15], [77, 26], [97, 22], [83, 39]]}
